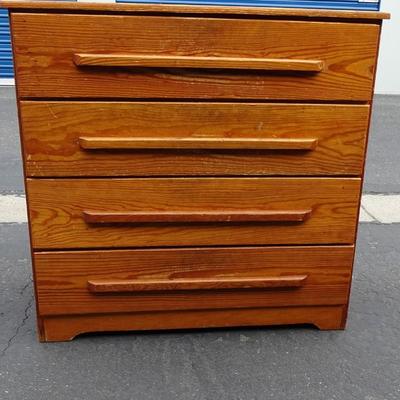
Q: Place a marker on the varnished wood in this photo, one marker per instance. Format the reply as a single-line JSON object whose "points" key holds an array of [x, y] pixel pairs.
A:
{"points": [[62, 278], [144, 60], [192, 9], [164, 276], [56, 207], [123, 286], [66, 327], [115, 143], [135, 217], [51, 132], [49, 71]]}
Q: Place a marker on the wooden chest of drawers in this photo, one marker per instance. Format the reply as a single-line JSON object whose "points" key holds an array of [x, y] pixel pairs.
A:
{"points": [[191, 166]]}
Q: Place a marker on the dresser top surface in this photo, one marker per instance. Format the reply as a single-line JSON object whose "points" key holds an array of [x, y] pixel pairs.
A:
{"points": [[44, 5]]}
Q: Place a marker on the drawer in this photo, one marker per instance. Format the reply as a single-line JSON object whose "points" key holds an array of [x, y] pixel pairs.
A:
{"points": [[111, 281], [144, 139], [70, 55], [95, 213]]}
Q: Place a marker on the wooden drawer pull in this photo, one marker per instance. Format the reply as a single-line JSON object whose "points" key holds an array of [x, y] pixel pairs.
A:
{"points": [[115, 286], [133, 143], [154, 61], [100, 217]]}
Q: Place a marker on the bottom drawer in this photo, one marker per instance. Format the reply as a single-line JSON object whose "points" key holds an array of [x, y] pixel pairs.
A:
{"points": [[115, 281]]}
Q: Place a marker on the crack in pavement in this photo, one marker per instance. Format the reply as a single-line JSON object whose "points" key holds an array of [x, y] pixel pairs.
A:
{"points": [[25, 286], [19, 327], [368, 213]]}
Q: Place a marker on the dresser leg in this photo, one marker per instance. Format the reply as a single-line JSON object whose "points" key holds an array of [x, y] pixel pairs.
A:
{"points": [[57, 329], [334, 320]]}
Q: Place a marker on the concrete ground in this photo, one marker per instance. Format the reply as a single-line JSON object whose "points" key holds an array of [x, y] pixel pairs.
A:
{"points": [[360, 363]]}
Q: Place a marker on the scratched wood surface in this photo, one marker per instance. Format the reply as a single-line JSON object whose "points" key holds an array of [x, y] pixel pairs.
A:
{"points": [[101, 86], [51, 132], [45, 67], [57, 209], [62, 278]]}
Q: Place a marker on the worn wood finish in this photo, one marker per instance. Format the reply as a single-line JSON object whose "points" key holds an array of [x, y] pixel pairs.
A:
{"points": [[66, 327], [140, 60], [52, 132], [218, 283], [129, 143], [49, 71], [192, 9], [135, 217], [227, 92], [62, 278], [56, 211]]}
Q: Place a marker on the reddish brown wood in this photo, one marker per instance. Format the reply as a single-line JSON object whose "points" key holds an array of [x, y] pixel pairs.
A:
{"points": [[294, 55], [192, 9], [57, 206], [49, 71], [136, 285], [66, 327], [144, 60], [132, 217], [133, 143], [51, 132], [62, 278]]}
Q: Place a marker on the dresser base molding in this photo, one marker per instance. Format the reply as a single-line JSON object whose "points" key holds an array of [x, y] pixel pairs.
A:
{"points": [[64, 328]]}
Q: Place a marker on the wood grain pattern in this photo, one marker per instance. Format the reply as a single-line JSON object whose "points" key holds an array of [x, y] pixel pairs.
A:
{"points": [[129, 143], [56, 207], [135, 217], [140, 60], [66, 327], [62, 278], [51, 132], [192, 9], [45, 67], [157, 279], [218, 283]]}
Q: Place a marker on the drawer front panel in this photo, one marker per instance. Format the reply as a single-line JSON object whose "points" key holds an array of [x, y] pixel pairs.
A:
{"points": [[139, 139], [131, 280], [175, 57], [67, 213]]}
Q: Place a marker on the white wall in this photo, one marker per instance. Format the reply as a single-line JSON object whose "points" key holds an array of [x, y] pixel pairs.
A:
{"points": [[388, 75]]}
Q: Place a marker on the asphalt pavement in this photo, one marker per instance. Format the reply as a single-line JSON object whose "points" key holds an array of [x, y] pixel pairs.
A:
{"points": [[288, 363]]}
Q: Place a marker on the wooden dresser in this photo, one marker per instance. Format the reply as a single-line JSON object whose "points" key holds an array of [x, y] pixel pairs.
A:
{"points": [[190, 166]]}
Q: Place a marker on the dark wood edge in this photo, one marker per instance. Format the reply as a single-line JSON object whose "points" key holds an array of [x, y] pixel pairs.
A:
{"points": [[346, 308], [39, 321], [190, 9]]}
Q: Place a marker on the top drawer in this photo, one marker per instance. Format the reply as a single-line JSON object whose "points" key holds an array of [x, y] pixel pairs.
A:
{"points": [[61, 55]]}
